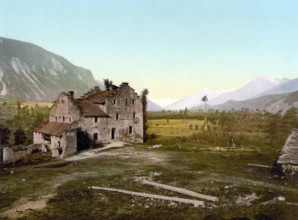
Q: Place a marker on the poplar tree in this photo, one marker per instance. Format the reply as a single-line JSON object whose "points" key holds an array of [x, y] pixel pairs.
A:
{"points": [[144, 95]]}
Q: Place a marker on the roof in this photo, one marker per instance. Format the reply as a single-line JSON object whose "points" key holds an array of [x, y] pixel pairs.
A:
{"points": [[52, 128], [289, 153], [99, 96], [90, 109]]}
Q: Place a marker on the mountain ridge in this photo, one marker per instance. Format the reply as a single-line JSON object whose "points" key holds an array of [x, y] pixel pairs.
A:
{"points": [[30, 72]]}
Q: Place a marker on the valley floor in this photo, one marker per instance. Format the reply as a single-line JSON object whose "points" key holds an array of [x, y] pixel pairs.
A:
{"points": [[61, 189]]}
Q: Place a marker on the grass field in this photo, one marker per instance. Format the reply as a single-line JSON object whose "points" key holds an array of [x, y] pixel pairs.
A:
{"points": [[40, 104], [174, 127]]}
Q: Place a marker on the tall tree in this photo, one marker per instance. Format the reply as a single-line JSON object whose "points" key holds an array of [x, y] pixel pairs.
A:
{"points": [[19, 137], [108, 84], [4, 135], [144, 95], [185, 113], [205, 99]]}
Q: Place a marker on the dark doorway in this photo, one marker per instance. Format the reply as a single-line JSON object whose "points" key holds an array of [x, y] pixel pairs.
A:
{"points": [[83, 140], [113, 133]]}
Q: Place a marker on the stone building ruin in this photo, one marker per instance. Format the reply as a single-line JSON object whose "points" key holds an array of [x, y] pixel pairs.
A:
{"points": [[106, 116]]}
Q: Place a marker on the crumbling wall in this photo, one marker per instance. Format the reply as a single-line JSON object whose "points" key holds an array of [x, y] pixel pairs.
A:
{"points": [[126, 110], [101, 127], [10, 155], [70, 145], [64, 109]]}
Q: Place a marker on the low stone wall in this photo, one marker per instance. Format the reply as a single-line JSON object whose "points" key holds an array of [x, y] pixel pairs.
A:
{"points": [[11, 155], [15, 153]]}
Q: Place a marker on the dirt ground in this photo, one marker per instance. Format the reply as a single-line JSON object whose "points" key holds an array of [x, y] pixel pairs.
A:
{"points": [[129, 164]]}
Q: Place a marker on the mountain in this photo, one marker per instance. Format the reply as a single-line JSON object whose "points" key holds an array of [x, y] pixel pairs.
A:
{"points": [[287, 87], [195, 99], [153, 107], [256, 103], [283, 105], [252, 89], [29, 72]]}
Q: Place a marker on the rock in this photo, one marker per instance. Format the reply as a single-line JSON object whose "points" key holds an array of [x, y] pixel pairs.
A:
{"points": [[157, 146], [23, 180], [11, 172], [281, 198]]}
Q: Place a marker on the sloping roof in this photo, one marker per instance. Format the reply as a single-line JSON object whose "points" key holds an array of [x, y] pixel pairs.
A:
{"points": [[289, 153], [99, 96], [88, 104], [90, 109], [52, 128]]}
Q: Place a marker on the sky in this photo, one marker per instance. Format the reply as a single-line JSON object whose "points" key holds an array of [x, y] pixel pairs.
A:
{"points": [[172, 47]]}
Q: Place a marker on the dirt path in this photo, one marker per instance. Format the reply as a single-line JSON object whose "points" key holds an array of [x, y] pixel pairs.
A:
{"points": [[40, 198], [95, 152]]}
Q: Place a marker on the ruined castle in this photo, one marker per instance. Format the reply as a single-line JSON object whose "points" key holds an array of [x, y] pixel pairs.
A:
{"points": [[106, 116]]}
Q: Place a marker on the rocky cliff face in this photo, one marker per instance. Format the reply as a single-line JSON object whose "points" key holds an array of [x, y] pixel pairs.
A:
{"points": [[29, 72]]}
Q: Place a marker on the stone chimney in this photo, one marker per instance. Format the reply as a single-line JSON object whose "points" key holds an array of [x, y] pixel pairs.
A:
{"points": [[71, 93], [124, 84], [96, 88]]}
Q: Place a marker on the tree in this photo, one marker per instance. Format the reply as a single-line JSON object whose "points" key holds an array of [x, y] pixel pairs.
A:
{"points": [[144, 95], [4, 135], [185, 113], [19, 107], [205, 99], [19, 137], [108, 84]]}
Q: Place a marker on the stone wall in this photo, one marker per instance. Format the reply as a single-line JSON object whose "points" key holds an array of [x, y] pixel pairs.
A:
{"points": [[64, 110], [126, 110], [101, 127], [70, 146], [10, 155], [126, 118]]}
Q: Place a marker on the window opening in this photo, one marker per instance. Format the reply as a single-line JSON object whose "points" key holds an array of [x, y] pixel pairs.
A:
{"points": [[95, 136]]}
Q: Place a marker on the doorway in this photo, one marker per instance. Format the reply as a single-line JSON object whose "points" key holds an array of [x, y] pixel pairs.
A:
{"points": [[113, 133]]}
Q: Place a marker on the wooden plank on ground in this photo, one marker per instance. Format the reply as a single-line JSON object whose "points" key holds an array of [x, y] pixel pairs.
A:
{"points": [[258, 165], [196, 203], [181, 190]]}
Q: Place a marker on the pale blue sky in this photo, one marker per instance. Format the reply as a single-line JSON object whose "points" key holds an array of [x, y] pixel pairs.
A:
{"points": [[173, 48]]}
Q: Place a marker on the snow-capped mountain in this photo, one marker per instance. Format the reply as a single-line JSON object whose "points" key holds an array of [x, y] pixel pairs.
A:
{"points": [[153, 107], [289, 86], [252, 89], [164, 102], [195, 99], [29, 72]]}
